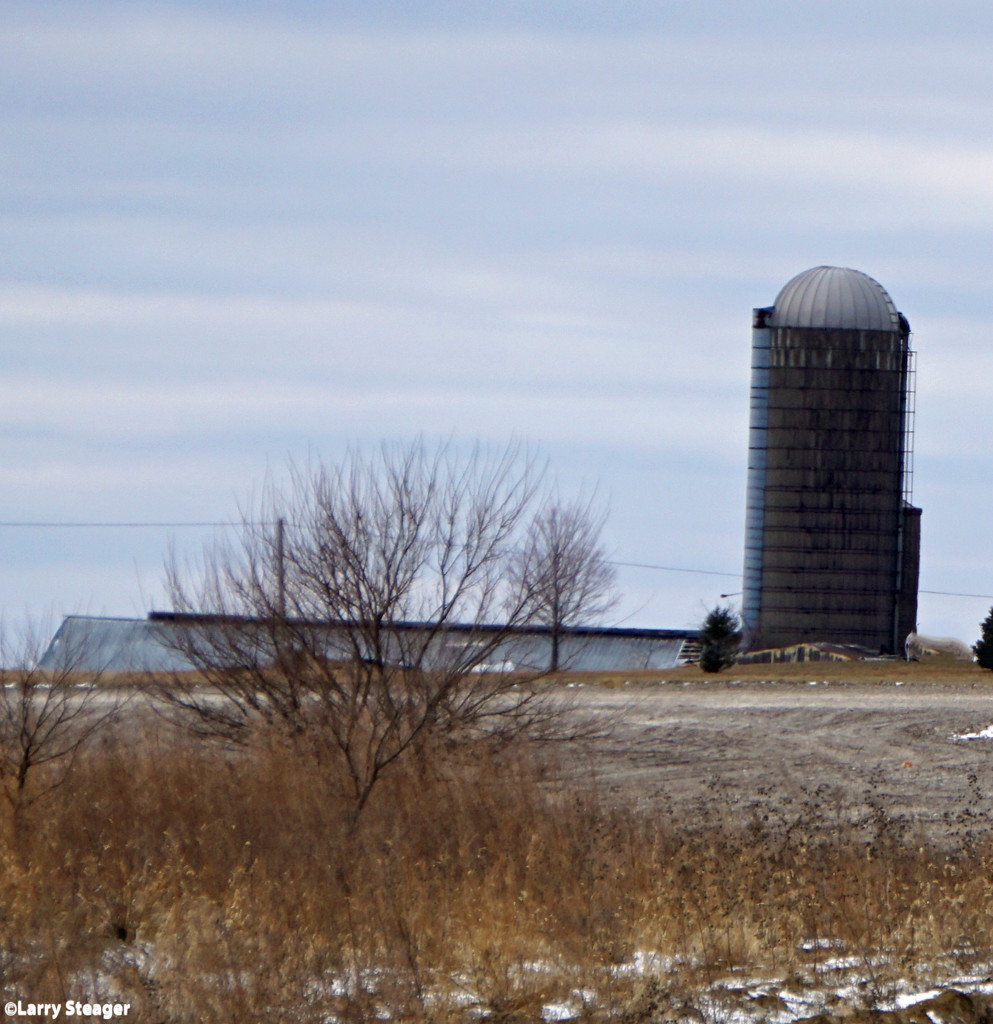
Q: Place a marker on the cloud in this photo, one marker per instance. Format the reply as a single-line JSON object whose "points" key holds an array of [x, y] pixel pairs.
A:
{"points": [[230, 231]]}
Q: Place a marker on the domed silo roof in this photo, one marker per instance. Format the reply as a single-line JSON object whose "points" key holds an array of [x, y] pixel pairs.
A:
{"points": [[835, 298]]}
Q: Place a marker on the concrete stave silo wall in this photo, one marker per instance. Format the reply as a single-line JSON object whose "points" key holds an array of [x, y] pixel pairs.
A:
{"points": [[829, 555]]}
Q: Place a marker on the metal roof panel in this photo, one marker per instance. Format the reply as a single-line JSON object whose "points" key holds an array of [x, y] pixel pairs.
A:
{"points": [[835, 298]]}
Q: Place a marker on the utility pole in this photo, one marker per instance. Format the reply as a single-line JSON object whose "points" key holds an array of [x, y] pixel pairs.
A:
{"points": [[280, 568]]}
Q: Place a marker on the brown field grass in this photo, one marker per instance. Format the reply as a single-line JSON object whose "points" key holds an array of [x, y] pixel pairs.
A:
{"points": [[204, 886]]}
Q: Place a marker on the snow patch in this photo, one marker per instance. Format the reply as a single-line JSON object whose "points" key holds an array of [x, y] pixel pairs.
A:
{"points": [[902, 1002], [984, 734]]}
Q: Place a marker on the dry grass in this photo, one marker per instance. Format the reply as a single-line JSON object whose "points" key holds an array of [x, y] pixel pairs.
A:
{"points": [[204, 887], [933, 672]]}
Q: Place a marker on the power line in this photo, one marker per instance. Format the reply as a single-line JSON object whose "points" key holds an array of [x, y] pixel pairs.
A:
{"points": [[677, 568], [711, 572], [111, 526], [48, 525]]}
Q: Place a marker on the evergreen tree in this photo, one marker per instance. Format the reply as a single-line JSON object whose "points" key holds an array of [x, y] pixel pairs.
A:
{"points": [[719, 639], [984, 648]]}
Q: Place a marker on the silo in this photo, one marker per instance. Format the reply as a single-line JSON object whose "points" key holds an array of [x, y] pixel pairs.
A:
{"points": [[832, 541]]}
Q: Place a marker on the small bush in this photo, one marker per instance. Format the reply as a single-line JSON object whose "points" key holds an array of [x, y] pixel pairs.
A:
{"points": [[984, 648], [720, 635]]}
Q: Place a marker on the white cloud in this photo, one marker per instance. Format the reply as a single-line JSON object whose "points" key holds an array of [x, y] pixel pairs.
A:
{"points": [[230, 231]]}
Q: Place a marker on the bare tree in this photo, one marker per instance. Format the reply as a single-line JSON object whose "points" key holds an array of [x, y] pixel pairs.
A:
{"points": [[48, 710], [564, 570], [363, 610]]}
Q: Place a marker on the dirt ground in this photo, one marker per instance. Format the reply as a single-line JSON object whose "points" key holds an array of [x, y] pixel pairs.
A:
{"points": [[873, 743]]}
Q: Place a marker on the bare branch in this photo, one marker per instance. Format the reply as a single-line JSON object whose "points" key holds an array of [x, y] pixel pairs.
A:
{"points": [[562, 574], [364, 610], [48, 711]]}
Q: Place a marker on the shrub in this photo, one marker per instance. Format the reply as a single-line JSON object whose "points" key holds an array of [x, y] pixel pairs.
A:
{"points": [[719, 639], [984, 648]]}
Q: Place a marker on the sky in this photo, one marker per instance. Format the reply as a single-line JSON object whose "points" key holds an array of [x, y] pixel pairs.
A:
{"points": [[236, 233]]}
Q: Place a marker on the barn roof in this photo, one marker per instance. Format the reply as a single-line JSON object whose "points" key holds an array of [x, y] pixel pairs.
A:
{"points": [[92, 644]]}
